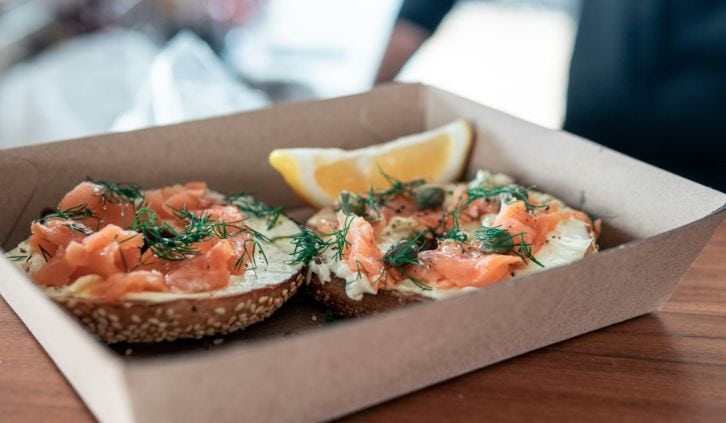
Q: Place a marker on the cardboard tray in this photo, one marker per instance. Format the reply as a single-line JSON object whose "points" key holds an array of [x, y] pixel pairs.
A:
{"points": [[655, 225]]}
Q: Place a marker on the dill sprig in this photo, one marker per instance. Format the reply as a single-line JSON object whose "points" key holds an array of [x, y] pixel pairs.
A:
{"points": [[404, 253], [167, 243], [308, 246], [79, 212], [249, 253], [340, 237], [119, 193], [248, 205], [509, 193], [455, 233], [19, 258], [495, 240]]}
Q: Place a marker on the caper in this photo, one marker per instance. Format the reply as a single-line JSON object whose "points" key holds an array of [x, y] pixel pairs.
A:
{"points": [[404, 251], [352, 204], [429, 196]]}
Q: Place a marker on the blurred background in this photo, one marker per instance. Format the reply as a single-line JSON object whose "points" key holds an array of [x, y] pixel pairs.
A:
{"points": [[70, 68], [77, 67]]}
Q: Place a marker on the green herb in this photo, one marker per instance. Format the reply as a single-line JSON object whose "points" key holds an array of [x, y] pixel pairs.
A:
{"points": [[166, 242], [79, 212], [46, 254], [119, 193], [495, 240], [255, 241], [404, 253], [340, 237], [508, 192], [248, 205], [19, 258], [455, 233], [371, 202], [308, 246]]}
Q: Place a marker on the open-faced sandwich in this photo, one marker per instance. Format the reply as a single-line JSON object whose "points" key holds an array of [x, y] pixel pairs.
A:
{"points": [[400, 241], [417, 241], [150, 265]]}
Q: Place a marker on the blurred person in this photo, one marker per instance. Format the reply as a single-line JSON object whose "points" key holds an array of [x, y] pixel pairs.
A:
{"points": [[647, 78]]}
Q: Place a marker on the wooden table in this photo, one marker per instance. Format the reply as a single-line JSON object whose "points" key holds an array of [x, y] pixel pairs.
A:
{"points": [[666, 366]]}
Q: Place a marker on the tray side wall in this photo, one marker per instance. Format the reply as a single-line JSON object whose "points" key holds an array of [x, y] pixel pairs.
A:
{"points": [[95, 374]]}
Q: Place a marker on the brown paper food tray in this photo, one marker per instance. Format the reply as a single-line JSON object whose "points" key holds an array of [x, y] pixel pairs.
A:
{"points": [[655, 225]]}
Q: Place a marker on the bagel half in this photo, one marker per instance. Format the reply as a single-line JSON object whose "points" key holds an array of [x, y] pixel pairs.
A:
{"points": [[333, 282], [165, 316]]}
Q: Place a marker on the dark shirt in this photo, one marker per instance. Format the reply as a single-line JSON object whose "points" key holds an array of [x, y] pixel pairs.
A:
{"points": [[648, 78]]}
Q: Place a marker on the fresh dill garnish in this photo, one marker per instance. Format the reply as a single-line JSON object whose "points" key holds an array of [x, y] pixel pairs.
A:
{"points": [[46, 254], [79, 212], [245, 203], [455, 233], [371, 202], [19, 258], [119, 193], [404, 253], [308, 246], [167, 243], [509, 193], [495, 240], [256, 243], [340, 238], [358, 273]]}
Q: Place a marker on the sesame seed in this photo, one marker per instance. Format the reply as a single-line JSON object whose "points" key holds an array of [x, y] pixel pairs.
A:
{"points": [[217, 341], [135, 318], [220, 310], [169, 312], [262, 299]]}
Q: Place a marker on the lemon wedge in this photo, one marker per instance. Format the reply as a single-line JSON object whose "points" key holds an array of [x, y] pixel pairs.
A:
{"points": [[318, 175]]}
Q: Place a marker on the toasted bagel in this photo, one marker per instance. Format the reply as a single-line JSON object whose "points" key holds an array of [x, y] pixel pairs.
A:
{"points": [[410, 248], [190, 306]]}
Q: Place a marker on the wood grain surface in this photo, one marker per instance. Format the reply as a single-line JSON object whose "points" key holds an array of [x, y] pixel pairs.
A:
{"points": [[665, 366]]}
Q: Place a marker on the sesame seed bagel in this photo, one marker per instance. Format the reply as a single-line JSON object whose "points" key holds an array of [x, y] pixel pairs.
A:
{"points": [[191, 317], [163, 316], [183, 261]]}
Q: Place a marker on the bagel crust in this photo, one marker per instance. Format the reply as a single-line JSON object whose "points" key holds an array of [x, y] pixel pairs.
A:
{"points": [[333, 295], [147, 321]]}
